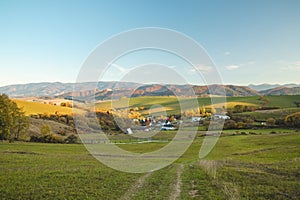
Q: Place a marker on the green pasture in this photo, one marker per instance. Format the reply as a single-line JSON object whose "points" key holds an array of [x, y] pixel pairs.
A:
{"points": [[172, 105], [252, 166]]}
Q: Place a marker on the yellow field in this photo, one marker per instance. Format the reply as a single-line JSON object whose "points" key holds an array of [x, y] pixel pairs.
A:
{"points": [[231, 104], [32, 108]]}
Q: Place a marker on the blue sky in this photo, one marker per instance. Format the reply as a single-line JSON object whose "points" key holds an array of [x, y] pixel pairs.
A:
{"points": [[249, 41]]}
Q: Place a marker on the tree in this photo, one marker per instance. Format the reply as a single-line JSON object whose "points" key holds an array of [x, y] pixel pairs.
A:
{"points": [[293, 120], [171, 118], [297, 104], [45, 129], [71, 139], [6, 120], [202, 111], [270, 121], [238, 108], [21, 124], [213, 110], [13, 121]]}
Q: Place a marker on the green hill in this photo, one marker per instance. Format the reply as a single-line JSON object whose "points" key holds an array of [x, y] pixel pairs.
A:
{"points": [[171, 103]]}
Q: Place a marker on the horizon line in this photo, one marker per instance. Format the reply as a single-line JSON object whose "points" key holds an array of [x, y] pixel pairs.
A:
{"points": [[236, 84]]}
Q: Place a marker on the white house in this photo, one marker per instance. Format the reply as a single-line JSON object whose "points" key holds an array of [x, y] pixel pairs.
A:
{"points": [[221, 117], [197, 119]]}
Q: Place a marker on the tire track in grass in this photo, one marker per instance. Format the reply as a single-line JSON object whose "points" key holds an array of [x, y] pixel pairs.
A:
{"points": [[135, 187], [176, 188]]}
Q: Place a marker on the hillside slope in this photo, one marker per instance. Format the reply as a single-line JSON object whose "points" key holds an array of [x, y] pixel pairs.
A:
{"points": [[265, 86], [58, 88], [32, 108], [282, 91]]}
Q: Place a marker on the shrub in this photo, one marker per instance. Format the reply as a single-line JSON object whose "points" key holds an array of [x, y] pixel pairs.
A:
{"points": [[241, 125], [49, 138], [229, 124], [45, 129], [270, 121], [293, 120], [71, 139]]}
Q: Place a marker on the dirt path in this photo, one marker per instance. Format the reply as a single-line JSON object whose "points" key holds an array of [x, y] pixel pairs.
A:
{"points": [[135, 187], [176, 188]]}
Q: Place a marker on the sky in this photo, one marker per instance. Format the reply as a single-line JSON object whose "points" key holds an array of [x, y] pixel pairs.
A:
{"points": [[249, 42]]}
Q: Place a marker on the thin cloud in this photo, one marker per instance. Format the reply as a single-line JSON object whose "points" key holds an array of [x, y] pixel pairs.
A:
{"points": [[232, 67], [201, 68], [227, 53], [289, 65]]}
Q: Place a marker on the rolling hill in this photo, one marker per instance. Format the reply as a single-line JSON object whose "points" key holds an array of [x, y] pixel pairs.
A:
{"points": [[262, 87], [230, 90], [32, 108], [58, 88], [166, 90], [172, 105], [282, 91]]}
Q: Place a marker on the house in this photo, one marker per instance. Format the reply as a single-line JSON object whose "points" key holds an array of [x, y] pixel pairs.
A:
{"points": [[219, 116], [129, 131], [197, 119]]}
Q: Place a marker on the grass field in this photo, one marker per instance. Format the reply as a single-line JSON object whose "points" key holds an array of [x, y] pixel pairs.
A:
{"points": [[276, 114], [172, 105], [32, 108], [262, 166], [169, 104], [245, 164]]}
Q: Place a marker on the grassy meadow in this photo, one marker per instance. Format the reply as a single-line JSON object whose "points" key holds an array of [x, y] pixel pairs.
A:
{"points": [[245, 164], [253, 166], [171, 103]]}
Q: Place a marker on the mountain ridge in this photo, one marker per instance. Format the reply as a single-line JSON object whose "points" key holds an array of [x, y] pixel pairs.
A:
{"points": [[266, 86], [282, 90], [113, 89]]}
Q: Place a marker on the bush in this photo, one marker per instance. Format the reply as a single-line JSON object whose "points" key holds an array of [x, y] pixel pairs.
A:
{"points": [[293, 120], [71, 139], [270, 121], [49, 138], [241, 125], [230, 124], [252, 133], [45, 129]]}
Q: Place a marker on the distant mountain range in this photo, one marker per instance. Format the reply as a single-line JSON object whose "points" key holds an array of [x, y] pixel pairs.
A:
{"points": [[113, 90], [58, 88], [265, 86], [282, 91]]}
